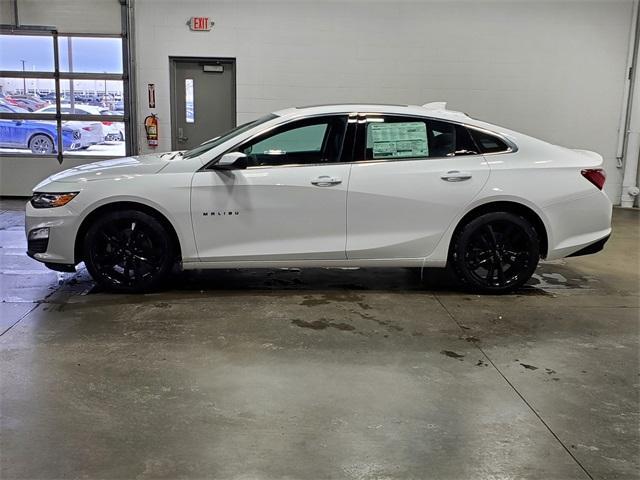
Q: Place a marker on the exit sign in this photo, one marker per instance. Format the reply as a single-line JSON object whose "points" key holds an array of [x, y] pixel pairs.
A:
{"points": [[200, 24]]}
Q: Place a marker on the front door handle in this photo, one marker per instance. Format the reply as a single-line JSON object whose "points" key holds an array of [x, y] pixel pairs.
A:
{"points": [[456, 176], [326, 181]]}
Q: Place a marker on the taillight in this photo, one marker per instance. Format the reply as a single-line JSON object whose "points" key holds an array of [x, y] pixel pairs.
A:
{"points": [[597, 176], [107, 123], [88, 129]]}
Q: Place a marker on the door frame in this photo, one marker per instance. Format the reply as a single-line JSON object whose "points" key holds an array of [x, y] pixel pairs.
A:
{"points": [[172, 84]]}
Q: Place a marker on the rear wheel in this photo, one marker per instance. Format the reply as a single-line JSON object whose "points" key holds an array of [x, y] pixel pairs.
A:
{"points": [[128, 251], [41, 144], [496, 252]]}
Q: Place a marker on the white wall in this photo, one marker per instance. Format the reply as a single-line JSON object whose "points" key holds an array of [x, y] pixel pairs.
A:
{"points": [[554, 69], [18, 174]]}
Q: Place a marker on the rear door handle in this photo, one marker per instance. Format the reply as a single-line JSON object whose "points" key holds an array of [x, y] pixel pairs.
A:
{"points": [[456, 176], [326, 181]]}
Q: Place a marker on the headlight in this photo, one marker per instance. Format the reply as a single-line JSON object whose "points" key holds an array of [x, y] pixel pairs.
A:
{"points": [[49, 200]]}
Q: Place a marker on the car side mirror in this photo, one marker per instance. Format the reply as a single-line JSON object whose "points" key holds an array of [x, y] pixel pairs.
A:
{"points": [[232, 161]]}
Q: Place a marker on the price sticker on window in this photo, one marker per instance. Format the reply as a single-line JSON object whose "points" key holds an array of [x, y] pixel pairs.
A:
{"points": [[398, 140]]}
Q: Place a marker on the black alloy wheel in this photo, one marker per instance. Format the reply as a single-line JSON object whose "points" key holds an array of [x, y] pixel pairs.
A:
{"points": [[128, 251], [496, 252]]}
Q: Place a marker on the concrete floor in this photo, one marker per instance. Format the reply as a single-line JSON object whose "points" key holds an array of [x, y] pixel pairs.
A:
{"points": [[321, 373]]}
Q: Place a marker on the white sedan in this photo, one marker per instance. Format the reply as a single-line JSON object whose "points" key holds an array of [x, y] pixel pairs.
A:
{"points": [[329, 186]]}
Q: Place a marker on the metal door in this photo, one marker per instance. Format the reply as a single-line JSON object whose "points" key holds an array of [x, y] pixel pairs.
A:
{"points": [[203, 100]]}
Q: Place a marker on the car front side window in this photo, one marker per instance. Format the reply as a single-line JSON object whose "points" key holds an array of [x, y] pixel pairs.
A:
{"points": [[302, 142]]}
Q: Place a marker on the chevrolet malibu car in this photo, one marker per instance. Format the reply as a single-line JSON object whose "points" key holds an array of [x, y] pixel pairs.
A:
{"points": [[329, 186]]}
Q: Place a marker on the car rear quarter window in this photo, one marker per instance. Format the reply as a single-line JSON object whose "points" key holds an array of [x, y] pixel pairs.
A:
{"points": [[488, 143]]}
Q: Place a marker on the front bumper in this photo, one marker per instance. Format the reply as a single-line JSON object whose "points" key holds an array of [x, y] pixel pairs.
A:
{"points": [[63, 224]]}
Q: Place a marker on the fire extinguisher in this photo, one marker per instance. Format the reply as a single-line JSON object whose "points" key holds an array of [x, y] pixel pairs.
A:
{"points": [[151, 127]]}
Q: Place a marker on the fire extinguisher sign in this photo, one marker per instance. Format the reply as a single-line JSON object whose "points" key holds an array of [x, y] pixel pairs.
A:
{"points": [[152, 95]]}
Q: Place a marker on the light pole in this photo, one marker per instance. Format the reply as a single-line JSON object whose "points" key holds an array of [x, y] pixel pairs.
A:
{"points": [[24, 80]]}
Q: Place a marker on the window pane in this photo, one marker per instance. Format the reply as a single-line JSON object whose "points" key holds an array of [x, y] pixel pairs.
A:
{"points": [[303, 139], [87, 97], [443, 139], [92, 97], [188, 100], [301, 142], [488, 143], [29, 94], [26, 53], [90, 55], [396, 140]]}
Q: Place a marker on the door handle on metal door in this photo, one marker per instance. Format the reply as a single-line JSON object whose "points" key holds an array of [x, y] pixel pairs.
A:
{"points": [[326, 181], [456, 176], [181, 137]]}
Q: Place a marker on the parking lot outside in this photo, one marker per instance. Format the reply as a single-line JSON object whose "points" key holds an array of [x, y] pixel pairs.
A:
{"points": [[321, 373]]}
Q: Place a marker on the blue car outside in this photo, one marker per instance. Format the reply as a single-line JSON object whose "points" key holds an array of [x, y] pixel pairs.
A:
{"points": [[39, 137]]}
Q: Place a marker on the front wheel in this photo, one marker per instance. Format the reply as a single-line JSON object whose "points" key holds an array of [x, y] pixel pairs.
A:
{"points": [[128, 251], [496, 252]]}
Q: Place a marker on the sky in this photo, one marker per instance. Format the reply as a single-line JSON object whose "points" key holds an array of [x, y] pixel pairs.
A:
{"points": [[92, 55]]}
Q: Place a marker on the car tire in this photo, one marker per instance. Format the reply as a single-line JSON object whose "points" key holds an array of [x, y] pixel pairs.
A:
{"points": [[128, 251], [496, 252], [41, 145]]}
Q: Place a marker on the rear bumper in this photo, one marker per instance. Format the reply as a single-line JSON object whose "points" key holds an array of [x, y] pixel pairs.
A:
{"points": [[595, 247], [577, 225]]}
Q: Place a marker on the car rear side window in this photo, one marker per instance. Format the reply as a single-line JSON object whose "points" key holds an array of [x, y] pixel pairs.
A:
{"points": [[488, 143], [396, 137]]}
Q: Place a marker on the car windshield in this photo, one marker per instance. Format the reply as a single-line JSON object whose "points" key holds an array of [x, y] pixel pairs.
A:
{"points": [[213, 143]]}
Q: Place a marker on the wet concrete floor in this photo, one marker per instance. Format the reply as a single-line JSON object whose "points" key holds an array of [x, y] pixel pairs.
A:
{"points": [[321, 373]]}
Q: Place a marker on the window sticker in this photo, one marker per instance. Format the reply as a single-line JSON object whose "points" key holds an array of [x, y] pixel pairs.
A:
{"points": [[398, 140]]}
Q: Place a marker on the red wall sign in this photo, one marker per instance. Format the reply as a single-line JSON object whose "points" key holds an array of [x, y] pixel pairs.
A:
{"points": [[200, 24]]}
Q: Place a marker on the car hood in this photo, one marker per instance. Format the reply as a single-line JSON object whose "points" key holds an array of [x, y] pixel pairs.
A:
{"points": [[109, 169]]}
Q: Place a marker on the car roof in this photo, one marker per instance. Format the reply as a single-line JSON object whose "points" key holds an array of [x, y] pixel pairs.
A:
{"points": [[437, 110], [433, 109]]}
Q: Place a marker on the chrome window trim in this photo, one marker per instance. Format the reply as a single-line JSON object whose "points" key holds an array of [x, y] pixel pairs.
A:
{"points": [[351, 117]]}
